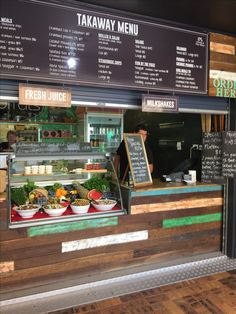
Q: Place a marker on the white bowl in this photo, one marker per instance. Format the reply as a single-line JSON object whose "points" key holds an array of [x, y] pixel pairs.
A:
{"points": [[189, 182], [80, 209], [27, 213], [54, 212], [103, 207]]}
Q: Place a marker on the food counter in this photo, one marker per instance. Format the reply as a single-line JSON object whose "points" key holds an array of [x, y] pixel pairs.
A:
{"points": [[161, 196], [166, 221]]}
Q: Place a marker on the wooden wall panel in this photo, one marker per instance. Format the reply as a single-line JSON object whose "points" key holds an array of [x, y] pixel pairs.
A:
{"points": [[39, 260], [222, 67], [174, 197]]}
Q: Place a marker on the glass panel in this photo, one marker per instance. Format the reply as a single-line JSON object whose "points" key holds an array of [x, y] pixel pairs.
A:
{"points": [[104, 133], [62, 189]]}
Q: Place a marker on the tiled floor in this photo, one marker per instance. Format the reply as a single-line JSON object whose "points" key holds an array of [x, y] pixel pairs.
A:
{"points": [[214, 294]]}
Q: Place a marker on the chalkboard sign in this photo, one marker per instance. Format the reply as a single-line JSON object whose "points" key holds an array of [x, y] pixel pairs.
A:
{"points": [[229, 154], [212, 157], [138, 161]]}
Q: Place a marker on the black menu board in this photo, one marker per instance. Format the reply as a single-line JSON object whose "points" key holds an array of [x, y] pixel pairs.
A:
{"points": [[212, 157], [43, 41], [52, 149], [229, 154], [138, 161]]}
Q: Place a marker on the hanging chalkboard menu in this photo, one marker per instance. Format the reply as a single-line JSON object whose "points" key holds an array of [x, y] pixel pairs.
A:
{"points": [[229, 154], [54, 42], [212, 157], [138, 161]]}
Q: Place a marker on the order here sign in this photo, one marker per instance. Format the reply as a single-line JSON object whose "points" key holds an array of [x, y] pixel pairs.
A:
{"points": [[42, 96]]}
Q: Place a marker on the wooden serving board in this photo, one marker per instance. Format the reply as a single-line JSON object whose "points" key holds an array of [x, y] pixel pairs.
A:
{"points": [[94, 171]]}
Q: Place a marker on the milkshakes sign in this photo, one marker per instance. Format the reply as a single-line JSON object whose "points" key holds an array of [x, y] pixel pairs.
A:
{"points": [[42, 96], [155, 103]]}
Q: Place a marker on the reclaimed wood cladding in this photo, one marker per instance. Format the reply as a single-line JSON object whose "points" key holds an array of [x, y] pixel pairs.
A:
{"points": [[174, 202], [39, 261], [222, 61]]}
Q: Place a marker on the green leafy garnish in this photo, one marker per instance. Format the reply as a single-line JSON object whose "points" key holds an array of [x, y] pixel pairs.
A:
{"points": [[19, 196], [29, 186], [99, 184]]}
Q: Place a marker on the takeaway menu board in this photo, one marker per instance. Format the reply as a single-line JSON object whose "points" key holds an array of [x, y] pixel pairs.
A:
{"points": [[48, 42]]}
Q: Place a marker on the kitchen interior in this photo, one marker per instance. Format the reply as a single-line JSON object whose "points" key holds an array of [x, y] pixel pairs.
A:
{"points": [[175, 139]]}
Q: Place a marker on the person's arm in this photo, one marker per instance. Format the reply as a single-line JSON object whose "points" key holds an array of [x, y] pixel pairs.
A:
{"points": [[151, 168], [116, 164], [150, 157]]}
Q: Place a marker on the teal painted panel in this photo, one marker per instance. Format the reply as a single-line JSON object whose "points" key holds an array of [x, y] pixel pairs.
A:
{"points": [[71, 226], [192, 189], [186, 221]]}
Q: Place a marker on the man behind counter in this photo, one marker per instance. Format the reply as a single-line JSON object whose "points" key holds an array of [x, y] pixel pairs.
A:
{"points": [[11, 139], [121, 159]]}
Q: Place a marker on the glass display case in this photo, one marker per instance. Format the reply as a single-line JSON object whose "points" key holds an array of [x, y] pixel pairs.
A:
{"points": [[48, 188]]}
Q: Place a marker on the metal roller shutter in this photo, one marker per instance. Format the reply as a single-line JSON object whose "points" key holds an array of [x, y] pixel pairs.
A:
{"points": [[102, 97]]}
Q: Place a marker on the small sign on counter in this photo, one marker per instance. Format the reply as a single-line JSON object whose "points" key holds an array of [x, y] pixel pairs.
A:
{"points": [[138, 161]]}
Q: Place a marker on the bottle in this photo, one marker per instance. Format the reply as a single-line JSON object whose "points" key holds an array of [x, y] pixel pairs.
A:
{"points": [[130, 179]]}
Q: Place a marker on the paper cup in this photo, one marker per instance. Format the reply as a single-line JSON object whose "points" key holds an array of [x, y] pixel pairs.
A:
{"points": [[48, 169], [193, 175], [42, 169], [35, 169], [27, 170]]}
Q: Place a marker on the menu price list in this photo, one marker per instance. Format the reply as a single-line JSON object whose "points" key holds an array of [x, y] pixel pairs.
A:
{"points": [[64, 47], [229, 154], [137, 158], [12, 47], [212, 157], [86, 47]]}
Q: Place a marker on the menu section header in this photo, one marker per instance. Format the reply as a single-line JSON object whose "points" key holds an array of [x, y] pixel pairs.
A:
{"points": [[43, 96], [61, 44], [156, 103]]}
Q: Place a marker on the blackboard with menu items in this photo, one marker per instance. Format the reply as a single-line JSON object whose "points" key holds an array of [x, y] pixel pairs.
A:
{"points": [[229, 154], [66, 43], [138, 161], [212, 157]]}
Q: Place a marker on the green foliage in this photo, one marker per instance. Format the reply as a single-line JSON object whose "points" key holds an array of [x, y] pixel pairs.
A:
{"points": [[71, 112], [29, 186], [56, 186], [97, 183], [19, 196], [43, 115]]}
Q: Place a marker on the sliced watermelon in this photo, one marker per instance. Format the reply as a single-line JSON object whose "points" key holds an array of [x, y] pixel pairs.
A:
{"points": [[94, 195]]}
